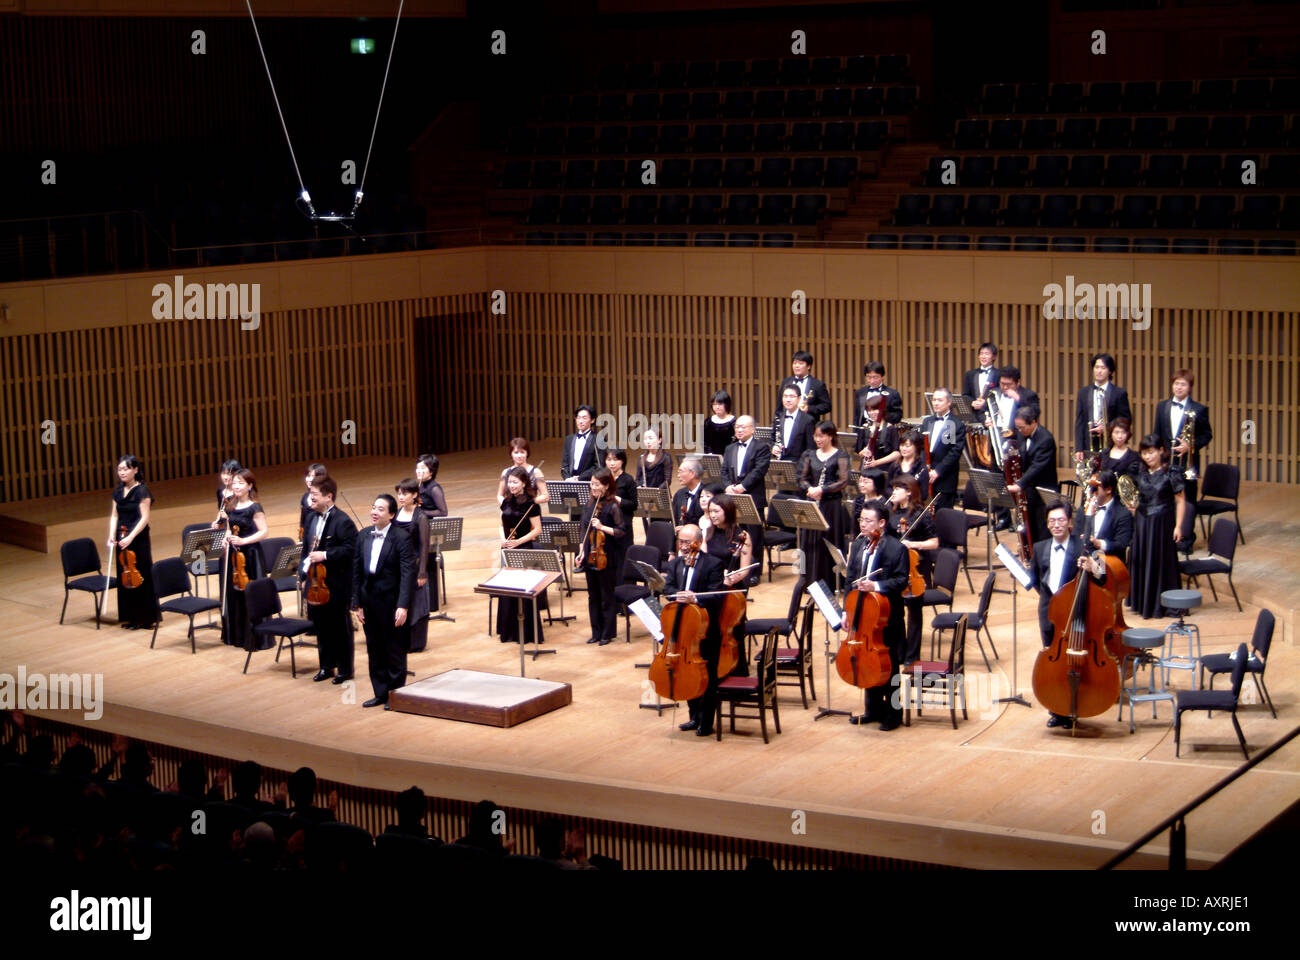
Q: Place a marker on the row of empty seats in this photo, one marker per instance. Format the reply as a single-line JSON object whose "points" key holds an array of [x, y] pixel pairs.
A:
{"points": [[608, 174], [1160, 170], [1217, 211], [1228, 246], [734, 105], [1231, 131], [664, 239], [776, 137], [1142, 96], [737, 209], [791, 71]]}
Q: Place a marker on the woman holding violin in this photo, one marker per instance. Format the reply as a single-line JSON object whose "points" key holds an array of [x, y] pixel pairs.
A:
{"points": [[128, 534], [521, 452], [521, 526], [245, 522], [601, 555], [823, 475], [911, 462], [414, 522], [728, 543], [913, 523], [877, 445]]}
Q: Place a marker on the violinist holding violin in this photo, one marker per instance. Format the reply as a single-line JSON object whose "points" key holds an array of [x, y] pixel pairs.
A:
{"points": [[693, 571], [878, 563], [128, 532], [604, 546], [913, 524], [246, 523], [331, 538]]}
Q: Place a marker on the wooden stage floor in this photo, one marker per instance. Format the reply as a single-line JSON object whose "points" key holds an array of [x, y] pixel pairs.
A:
{"points": [[1000, 791]]}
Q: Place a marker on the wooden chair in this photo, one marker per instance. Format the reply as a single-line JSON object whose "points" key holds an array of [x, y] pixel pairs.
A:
{"points": [[936, 676], [797, 661], [758, 690]]}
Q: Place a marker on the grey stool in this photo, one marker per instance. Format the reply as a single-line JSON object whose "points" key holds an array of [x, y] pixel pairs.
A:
{"points": [[1182, 601], [1146, 640]]}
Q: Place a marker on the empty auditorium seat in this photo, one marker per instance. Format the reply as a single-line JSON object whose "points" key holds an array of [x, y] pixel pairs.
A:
{"points": [[1149, 133], [675, 105], [982, 210], [575, 208], [606, 239], [731, 73], [1110, 244], [645, 106], [825, 71], [808, 172], [992, 242], [1077, 133], [1095, 210], [917, 241], [706, 172], [1004, 133], [738, 138], [882, 241], [860, 69], [971, 134], [764, 73], [1289, 218], [1058, 210], [675, 172], [1123, 170], [778, 239], [639, 75], [1050, 170], [742, 209], [1040, 133], [1275, 247], [606, 209], [642, 138], [794, 70], [738, 172], [543, 209], [892, 68], [582, 108], [998, 98], [546, 174], [1234, 166], [701, 73], [1139, 96], [911, 209], [1031, 98], [837, 102], [1175, 212], [838, 135], [775, 209], [769, 137], [706, 105], [641, 208], [1190, 245], [1030, 244], [872, 135], [809, 208], [550, 140], [1265, 130], [1202, 170], [579, 139], [742, 239], [1236, 246], [1175, 96], [1150, 245], [578, 174], [800, 103], [900, 100], [1227, 132], [612, 107], [868, 101], [705, 209], [1104, 97], [1260, 212], [1136, 212], [774, 172], [976, 172], [1011, 171], [673, 209], [1190, 132], [739, 105], [1283, 171], [1087, 170], [514, 176], [1113, 133], [539, 238], [1213, 94], [1214, 212], [1021, 210], [946, 211], [952, 241], [571, 239], [805, 136], [707, 138], [769, 103], [1069, 245], [710, 239], [840, 171]]}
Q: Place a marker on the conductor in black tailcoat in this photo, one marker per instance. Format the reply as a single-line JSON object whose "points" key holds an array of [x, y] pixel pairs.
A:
{"points": [[383, 582]]}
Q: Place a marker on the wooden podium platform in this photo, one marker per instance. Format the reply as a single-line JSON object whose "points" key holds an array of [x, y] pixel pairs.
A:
{"points": [[477, 697]]}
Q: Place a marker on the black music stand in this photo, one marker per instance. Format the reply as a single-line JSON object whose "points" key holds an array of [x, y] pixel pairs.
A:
{"points": [[848, 439], [653, 503], [655, 580], [566, 537], [202, 549], [1019, 575], [551, 561], [568, 497], [522, 585], [765, 435], [800, 515], [747, 514], [991, 487], [1050, 497], [286, 564], [832, 613], [780, 474], [711, 464], [444, 534]]}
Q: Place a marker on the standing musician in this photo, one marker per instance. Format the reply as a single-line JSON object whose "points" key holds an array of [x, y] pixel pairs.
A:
{"points": [[654, 468], [690, 572], [520, 453], [872, 485], [383, 581], [603, 515], [1160, 516], [242, 510], [815, 399], [729, 543], [624, 485], [331, 539], [947, 438], [1057, 558], [228, 469], [910, 463], [823, 475], [1038, 467], [744, 467], [975, 384], [1121, 458], [581, 457], [686, 501], [1112, 524], [878, 564], [137, 607], [719, 429], [1098, 404], [305, 512], [875, 375], [411, 520], [1169, 427], [792, 428], [916, 531], [1013, 397], [432, 500], [521, 528], [877, 439]]}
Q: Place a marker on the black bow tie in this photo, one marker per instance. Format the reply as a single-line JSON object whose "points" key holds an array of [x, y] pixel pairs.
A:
{"points": [[379, 534], [1179, 404], [1059, 547], [582, 436], [789, 416]]}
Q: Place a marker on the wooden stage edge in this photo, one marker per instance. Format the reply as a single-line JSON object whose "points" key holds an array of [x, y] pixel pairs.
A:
{"points": [[1001, 791]]}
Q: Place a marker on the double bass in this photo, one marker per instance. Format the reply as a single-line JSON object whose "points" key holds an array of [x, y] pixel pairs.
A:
{"points": [[678, 671], [863, 658], [1117, 580]]}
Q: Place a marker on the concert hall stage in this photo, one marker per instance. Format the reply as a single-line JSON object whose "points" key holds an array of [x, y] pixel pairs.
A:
{"points": [[1002, 790]]}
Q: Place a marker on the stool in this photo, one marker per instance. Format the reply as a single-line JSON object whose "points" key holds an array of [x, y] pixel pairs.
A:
{"points": [[1146, 640], [1182, 601]]}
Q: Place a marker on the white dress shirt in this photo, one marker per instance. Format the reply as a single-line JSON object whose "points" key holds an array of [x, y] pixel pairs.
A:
{"points": [[1056, 568], [376, 546]]}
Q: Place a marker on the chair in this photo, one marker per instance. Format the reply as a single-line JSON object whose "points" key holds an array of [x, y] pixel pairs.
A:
{"points": [[784, 627], [1217, 663], [1221, 484], [758, 690], [798, 660], [1144, 640], [633, 587], [81, 556], [1211, 700], [936, 676], [660, 535], [1222, 546], [953, 530], [264, 615], [948, 621], [946, 564], [171, 578], [271, 548]]}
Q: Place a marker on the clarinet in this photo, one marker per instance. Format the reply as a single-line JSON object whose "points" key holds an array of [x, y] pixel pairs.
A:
{"points": [[778, 434]]}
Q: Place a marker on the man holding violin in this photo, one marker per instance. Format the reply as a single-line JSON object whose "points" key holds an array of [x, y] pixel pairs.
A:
{"points": [[331, 536], [878, 563], [690, 572]]}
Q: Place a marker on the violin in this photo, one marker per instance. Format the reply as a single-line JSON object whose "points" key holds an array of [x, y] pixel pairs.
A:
{"points": [[678, 671], [593, 551], [863, 658], [869, 451], [130, 577], [240, 577], [915, 582], [317, 592]]}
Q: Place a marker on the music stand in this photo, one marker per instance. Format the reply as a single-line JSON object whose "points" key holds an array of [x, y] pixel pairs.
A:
{"points": [[765, 435], [286, 564], [991, 487], [654, 579], [653, 503], [565, 536], [522, 585], [800, 515], [568, 496], [444, 535], [548, 561], [841, 563], [848, 439], [650, 613], [1019, 575], [711, 464], [780, 474], [1050, 497], [202, 551], [832, 613], [747, 514]]}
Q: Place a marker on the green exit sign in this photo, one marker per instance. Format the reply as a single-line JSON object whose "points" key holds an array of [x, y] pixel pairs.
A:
{"points": [[363, 45]]}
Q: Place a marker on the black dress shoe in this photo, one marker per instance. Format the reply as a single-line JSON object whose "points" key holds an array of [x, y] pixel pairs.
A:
{"points": [[342, 678], [890, 725], [375, 702], [1058, 721], [593, 640], [688, 725], [862, 719], [1003, 524], [322, 675], [607, 640], [387, 705], [703, 732]]}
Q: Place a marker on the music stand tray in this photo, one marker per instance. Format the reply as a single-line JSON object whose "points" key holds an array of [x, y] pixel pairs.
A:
{"points": [[653, 503], [800, 514], [848, 439], [747, 514], [780, 474], [521, 585], [1050, 497], [552, 561], [991, 487], [201, 550], [444, 535], [654, 579], [565, 536], [765, 435], [711, 464], [568, 497]]}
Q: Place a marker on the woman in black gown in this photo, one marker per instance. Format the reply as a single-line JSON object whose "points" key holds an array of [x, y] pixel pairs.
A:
{"points": [[434, 504], [728, 542], [624, 485], [654, 468], [719, 429], [521, 452], [137, 607], [244, 512], [823, 475], [905, 517], [911, 462], [602, 514], [1121, 458], [1153, 558], [414, 522], [521, 526]]}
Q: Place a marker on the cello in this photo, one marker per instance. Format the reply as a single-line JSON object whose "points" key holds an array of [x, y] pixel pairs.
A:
{"points": [[1076, 676], [678, 672], [863, 658]]}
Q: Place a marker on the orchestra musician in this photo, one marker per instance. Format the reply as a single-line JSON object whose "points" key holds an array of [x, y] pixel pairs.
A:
{"points": [[975, 383], [1013, 397], [693, 571], [581, 457], [883, 449], [242, 510], [878, 563], [330, 537], [872, 485], [729, 543], [744, 469], [624, 485], [521, 528], [686, 501], [905, 508], [383, 582], [910, 462], [1112, 524], [1098, 404], [432, 499], [411, 520], [815, 399], [654, 468], [602, 514], [1170, 418], [1121, 458], [1160, 515], [823, 475], [305, 512], [1038, 467], [874, 372], [520, 453], [228, 469], [137, 607], [792, 428], [719, 429], [947, 438]]}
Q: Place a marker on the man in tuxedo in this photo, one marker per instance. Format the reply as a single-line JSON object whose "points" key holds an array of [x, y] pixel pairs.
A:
{"points": [[1011, 397], [1037, 467], [686, 501], [1096, 406], [818, 398], [946, 436], [383, 581], [330, 538], [583, 455], [793, 429], [875, 374], [1112, 524], [976, 383], [1170, 415], [744, 467], [1056, 563], [878, 563], [686, 580]]}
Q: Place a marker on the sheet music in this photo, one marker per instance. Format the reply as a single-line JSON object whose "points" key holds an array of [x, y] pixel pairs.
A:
{"points": [[509, 579], [826, 604], [648, 618], [1012, 563]]}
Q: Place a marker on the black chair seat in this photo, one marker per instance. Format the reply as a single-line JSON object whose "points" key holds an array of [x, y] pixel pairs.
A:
{"points": [[1222, 663], [974, 522], [1204, 565], [1206, 700], [629, 593], [1211, 508], [933, 597], [948, 621], [94, 584], [757, 627], [284, 627], [190, 605]]}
